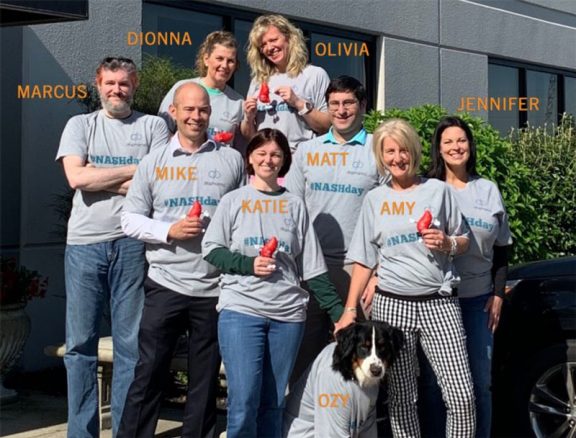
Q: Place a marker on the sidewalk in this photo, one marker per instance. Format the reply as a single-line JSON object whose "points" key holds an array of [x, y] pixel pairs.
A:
{"points": [[39, 415]]}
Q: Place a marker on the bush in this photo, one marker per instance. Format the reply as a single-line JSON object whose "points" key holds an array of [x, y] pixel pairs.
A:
{"points": [[550, 157], [157, 76], [534, 171]]}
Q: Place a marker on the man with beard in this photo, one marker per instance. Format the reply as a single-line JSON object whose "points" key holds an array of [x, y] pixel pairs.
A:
{"points": [[104, 268]]}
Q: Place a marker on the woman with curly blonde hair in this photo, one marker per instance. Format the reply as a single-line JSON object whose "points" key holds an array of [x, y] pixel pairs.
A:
{"points": [[216, 62], [286, 93]]}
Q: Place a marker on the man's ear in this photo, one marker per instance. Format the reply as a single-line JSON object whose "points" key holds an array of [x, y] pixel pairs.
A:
{"points": [[172, 111]]}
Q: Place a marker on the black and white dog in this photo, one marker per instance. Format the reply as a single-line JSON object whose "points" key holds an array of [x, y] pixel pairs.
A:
{"points": [[337, 396]]}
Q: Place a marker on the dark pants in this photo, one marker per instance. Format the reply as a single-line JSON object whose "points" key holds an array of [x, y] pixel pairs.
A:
{"points": [[166, 316]]}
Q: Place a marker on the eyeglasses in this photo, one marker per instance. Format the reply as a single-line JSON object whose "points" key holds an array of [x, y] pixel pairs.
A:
{"points": [[334, 105]]}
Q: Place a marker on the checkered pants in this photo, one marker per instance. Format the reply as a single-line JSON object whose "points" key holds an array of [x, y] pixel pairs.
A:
{"points": [[437, 323]]}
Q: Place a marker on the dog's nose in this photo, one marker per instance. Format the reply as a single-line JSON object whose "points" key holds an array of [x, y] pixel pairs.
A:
{"points": [[375, 369]]}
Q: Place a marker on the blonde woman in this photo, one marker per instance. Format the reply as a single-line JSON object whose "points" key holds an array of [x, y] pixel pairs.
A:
{"points": [[216, 62], [415, 291], [286, 93]]}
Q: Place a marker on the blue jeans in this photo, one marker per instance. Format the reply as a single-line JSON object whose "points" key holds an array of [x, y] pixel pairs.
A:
{"points": [[258, 355], [479, 343], [97, 276]]}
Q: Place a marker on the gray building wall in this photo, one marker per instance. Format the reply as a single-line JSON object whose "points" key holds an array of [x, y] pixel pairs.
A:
{"points": [[431, 51], [61, 53]]}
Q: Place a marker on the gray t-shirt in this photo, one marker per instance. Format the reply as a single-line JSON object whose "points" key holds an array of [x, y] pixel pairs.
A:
{"points": [[165, 186], [310, 85], [106, 142], [386, 236], [226, 110], [482, 205], [333, 179], [244, 220], [322, 404]]}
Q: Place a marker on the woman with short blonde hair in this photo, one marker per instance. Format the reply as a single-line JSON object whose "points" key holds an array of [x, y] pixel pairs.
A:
{"points": [[409, 230], [286, 93]]}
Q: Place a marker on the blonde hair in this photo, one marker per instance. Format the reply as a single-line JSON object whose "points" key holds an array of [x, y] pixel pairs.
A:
{"points": [[221, 37], [402, 133], [261, 68]]}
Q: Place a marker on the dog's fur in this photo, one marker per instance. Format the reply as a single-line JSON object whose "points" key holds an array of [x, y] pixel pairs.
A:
{"points": [[365, 350], [347, 374]]}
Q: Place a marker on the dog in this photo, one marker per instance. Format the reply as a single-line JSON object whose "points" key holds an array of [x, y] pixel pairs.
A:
{"points": [[337, 395]]}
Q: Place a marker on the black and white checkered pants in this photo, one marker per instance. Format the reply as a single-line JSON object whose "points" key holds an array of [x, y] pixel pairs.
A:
{"points": [[437, 323]]}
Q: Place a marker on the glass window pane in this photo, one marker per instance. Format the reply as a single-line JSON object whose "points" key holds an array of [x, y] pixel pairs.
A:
{"points": [[340, 56], [544, 86], [503, 82], [242, 75], [570, 95], [157, 18]]}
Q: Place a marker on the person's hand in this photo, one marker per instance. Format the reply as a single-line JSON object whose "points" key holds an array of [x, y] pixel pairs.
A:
{"points": [[264, 266], [494, 307], [186, 228], [291, 98], [122, 188], [345, 320], [368, 296], [250, 107], [436, 239]]}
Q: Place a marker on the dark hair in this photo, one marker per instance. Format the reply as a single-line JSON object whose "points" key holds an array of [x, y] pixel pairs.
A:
{"points": [[114, 63], [437, 167], [268, 135], [352, 341], [346, 84]]}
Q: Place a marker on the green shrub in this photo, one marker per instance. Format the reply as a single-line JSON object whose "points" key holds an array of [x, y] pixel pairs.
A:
{"points": [[157, 76], [499, 161], [551, 160]]}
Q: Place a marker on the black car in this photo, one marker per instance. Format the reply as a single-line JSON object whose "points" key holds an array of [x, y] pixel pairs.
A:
{"points": [[534, 374]]}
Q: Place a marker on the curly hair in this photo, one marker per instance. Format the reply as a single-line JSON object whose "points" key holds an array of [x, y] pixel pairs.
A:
{"points": [[261, 68], [221, 37]]}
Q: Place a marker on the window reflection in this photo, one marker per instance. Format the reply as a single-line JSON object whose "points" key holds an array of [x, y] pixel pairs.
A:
{"points": [[242, 76], [503, 82], [544, 86], [156, 18], [570, 95], [340, 56]]}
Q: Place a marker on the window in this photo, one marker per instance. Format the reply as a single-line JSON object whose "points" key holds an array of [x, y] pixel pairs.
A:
{"points": [[337, 51], [503, 82], [543, 86], [570, 95], [552, 92], [156, 18]]}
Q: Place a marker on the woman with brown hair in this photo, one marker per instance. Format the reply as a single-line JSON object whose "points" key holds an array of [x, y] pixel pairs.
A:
{"points": [[216, 62]]}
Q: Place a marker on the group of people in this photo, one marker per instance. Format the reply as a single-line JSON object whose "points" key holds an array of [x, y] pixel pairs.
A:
{"points": [[266, 223]]}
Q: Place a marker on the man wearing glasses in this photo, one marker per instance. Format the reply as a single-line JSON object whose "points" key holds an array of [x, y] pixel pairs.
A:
{"points": [[333, 173], [104, 268]]}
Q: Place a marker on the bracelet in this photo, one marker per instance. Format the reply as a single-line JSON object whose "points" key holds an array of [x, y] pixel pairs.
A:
{"points": [[453, 246], [350, 309]]}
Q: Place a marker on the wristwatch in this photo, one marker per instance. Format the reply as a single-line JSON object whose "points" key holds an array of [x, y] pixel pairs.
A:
{"points": [[308, 106]]}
